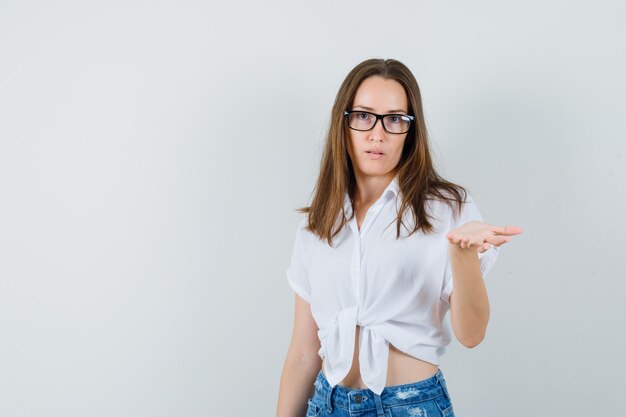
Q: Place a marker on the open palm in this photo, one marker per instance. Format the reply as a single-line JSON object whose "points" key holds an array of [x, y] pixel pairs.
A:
{"points": [[481, 235]]}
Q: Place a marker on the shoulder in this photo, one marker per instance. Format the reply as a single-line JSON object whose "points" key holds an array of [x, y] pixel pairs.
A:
{"points": [[303, 234], [444, 200], [303, 222], [448, 207]]}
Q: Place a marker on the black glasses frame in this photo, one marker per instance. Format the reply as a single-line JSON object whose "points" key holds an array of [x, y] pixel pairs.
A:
{"points": [[380, 117]]}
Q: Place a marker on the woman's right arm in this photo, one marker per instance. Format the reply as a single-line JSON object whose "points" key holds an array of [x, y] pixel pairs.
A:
{"points": [[302, 363]]}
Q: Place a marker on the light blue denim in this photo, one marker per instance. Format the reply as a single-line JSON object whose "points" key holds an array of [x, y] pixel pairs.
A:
{"points": [[426, 398]]}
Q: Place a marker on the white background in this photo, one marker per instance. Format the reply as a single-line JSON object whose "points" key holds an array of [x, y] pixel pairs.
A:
{"points": [[152, 155]]}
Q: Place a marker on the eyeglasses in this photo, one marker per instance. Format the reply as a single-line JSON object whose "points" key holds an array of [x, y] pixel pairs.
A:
{"points": [[392, 123]]}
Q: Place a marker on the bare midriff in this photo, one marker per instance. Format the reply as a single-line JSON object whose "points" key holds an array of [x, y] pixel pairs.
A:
{"points": [[401, 368]]}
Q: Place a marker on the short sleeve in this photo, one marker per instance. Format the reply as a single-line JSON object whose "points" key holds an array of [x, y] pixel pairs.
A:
{"points": [[487, 259], [297, 275]]}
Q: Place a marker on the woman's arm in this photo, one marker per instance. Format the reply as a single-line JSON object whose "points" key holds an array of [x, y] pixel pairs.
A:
{"points": [[302, 364], [469, 304]]}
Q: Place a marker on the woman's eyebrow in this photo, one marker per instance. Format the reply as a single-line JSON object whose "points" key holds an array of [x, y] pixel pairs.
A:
{"points": [[390, 111]]}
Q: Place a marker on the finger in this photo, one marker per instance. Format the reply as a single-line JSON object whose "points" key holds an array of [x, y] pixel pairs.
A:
{"points": [[483, 248], [453, 239], [507, 230], [498, 240], [460, 240]]}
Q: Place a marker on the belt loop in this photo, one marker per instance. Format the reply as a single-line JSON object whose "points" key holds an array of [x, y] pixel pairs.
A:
{"points": [[442, 382], [379, 405], [329, 397]]}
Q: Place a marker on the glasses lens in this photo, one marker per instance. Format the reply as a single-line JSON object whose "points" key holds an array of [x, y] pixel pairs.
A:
{"points": [[397, 123], [361, 121]]}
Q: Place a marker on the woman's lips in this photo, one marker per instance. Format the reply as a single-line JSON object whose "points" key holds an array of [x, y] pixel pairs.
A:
{"points": [[374, 154]]}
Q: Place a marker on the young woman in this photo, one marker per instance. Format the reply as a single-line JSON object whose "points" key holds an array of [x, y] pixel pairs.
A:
{"points": [[370, 299]]}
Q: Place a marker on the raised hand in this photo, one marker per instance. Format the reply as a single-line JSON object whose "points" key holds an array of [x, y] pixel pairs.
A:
{"points": [[481, 235]]}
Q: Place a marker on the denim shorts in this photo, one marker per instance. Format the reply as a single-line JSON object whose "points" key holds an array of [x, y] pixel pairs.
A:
{"points": [[426, 398]]}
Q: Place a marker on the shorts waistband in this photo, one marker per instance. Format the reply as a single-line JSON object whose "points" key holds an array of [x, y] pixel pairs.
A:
{"points": [[355, 399]]}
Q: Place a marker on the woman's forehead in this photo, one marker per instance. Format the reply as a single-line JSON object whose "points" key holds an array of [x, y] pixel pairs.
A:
{"points": [[378, 94]]}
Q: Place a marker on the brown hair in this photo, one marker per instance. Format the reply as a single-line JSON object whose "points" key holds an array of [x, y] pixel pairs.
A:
{"points": [[417, 178]]}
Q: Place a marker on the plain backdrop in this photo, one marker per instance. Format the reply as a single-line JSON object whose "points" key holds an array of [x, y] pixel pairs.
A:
{"points": [[152, 155]]}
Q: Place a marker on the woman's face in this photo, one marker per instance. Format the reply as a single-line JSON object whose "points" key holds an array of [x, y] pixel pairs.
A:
{"points": [[380, 96]]}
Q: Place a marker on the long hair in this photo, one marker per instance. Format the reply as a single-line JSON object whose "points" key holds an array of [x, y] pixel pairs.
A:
{"points": [[417, 179]]}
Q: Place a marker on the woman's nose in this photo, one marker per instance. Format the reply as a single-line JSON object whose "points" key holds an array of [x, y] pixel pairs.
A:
{"points": [[377, 132]]}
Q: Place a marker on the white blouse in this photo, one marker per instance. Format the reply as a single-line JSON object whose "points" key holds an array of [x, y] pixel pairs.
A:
{"points": [[398, 291]]}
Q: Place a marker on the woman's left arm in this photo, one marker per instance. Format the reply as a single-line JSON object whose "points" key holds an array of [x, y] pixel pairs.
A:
{"points": [[469, 304]]}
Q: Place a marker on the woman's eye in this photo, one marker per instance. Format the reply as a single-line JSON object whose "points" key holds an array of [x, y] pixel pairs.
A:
{"points": [[394, 119], [363, 116]]}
